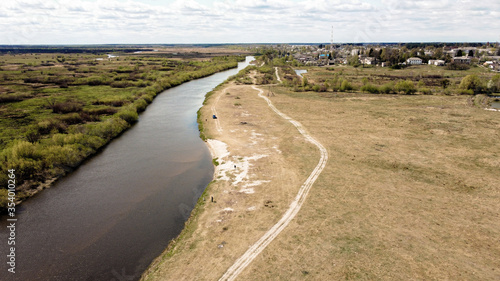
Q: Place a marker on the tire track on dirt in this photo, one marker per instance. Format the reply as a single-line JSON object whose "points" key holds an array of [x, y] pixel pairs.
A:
{"points": [[295, 206], [214, 112]]}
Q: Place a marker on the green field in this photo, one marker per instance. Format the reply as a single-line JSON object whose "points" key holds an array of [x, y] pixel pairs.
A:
{"points": [[58, 109]]}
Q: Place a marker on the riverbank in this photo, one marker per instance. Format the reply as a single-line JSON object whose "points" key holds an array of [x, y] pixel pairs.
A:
{"points": [[256, 178], [50, 142], [410, 189]]}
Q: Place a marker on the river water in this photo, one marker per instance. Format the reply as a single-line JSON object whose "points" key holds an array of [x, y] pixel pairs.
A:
{"points": [[117, 212]]}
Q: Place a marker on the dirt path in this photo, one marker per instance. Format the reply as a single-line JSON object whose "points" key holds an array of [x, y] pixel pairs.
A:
{"points": [[277, 74], [214, 112], [295, 206]]}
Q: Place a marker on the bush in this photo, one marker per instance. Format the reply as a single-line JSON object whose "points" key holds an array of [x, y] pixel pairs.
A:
{"points": [[108, 129], [140, 105], [122, 84], [346, 86], [71, 119], [129, 114], [67, 107], [387, 88], [33, 135], [406, 87], [472, 82], [369, 88], [101, 111], [47, 126]]}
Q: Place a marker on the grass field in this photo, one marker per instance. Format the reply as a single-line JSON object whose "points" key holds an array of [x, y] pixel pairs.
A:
{"points": [[58, 109], [410, 191]]}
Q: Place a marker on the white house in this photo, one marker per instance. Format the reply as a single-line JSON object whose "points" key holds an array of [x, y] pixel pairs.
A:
{"points": [[414, 61], [436, 62], [368, 60]]}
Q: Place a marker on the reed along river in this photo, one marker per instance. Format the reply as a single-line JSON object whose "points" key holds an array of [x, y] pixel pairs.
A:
{"points": [[117, 212]]}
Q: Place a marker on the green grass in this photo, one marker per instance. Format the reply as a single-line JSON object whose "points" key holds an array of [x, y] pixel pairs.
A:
{"points": [[54, 113]]}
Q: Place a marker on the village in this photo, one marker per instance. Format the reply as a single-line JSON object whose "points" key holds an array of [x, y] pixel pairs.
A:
{"points": [[397, 55]]}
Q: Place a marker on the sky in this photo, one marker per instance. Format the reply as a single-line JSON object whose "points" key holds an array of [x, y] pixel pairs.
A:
{"points": [[247, 21]]}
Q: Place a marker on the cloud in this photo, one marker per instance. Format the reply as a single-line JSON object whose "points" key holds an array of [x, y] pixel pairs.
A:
{"points": [[240, 21]]}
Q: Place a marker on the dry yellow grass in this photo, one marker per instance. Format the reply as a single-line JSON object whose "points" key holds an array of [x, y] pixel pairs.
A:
{"points": [[410, 191]]}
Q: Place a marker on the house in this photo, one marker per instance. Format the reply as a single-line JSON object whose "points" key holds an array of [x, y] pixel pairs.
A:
{"points": [[414, 61], [436, 62], [368, 60], [463, 60]]}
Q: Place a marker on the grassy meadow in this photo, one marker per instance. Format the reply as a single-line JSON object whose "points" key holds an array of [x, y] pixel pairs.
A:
{"points": [[58, 109]]}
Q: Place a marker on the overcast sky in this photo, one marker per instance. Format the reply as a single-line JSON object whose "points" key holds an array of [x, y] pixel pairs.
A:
{"points": [[247, 21]]}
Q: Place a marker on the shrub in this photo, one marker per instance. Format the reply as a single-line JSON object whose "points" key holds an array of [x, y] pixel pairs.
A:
{"points": [[387, 88], [108, 129], [122, 84], [101, 111], [71, 119], [472, 82], [140, 105], [129, 114], [346, 86], [47, 126], [33, 135], [369, 88], [67, 107], [406, 87], [24, 157]]}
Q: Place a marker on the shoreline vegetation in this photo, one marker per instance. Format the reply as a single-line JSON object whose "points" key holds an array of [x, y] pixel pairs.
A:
{"points": [[59, 110], [444, 181]]}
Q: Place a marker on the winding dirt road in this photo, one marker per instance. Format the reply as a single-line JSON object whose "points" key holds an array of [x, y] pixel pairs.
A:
{"points": [[295, 206]]}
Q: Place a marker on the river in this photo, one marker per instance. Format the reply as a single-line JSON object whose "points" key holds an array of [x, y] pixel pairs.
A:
{"points": [[118, 211]]}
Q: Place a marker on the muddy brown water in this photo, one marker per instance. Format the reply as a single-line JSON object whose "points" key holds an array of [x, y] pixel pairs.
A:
{"points": [[117, 212]]}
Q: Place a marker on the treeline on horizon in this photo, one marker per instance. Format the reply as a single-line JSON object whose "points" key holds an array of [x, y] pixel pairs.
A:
{"points": [[130, 48]]}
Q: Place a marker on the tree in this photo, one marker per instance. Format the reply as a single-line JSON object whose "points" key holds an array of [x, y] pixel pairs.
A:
{"points": [[438, 54], [472, 82], [354, 61], [471, 53], [494, 84], [383, 54], [460, 53]]}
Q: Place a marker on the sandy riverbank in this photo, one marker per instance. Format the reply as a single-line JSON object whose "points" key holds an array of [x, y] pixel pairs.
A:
{"points": [[261, 162]]}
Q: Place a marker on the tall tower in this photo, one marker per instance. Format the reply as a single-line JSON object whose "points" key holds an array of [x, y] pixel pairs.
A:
{"points": [[331, 40]]}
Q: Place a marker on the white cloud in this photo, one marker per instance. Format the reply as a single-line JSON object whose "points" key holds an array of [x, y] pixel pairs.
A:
{"points": [[234, 21]]}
